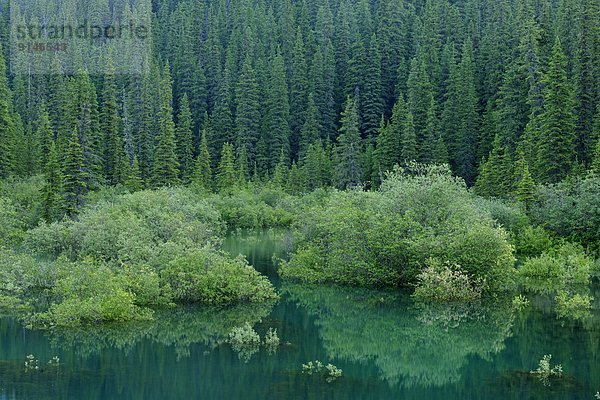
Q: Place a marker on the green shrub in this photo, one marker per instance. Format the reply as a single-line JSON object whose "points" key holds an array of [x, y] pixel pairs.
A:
{"points": [[87, 293], [557, 268], [570, 209], [25, 196], [578, 306], [11, 227], [532, 241], [384, 238], [210, 278], [141, 228], [446, 283]]}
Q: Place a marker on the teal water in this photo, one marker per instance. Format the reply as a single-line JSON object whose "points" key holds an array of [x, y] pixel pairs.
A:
{"points": [[387, 346]]}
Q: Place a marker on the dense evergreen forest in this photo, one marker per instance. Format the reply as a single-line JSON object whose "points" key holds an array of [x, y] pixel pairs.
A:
{"points": [[316, 93]]}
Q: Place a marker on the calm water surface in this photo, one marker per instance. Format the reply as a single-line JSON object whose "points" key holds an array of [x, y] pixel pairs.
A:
{"points": [[387, 346]]}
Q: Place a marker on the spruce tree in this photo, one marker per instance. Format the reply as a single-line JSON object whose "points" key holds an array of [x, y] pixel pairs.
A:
{"points": [[7, 124], [247, 117], [226, 174], [409, 139], [278, 113], [596, 159], [110, 125], [75, 176], [556, 152], [202, 176], [184, 141], [133, 176], [349, 148], [45, 136], [310, 132], [166, 167], [299, 106], [371, 98], [525, 185], [52, 191]]}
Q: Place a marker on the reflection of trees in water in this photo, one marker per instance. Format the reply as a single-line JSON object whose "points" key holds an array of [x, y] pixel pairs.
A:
{"points": [[411, 344], [178, 327]]}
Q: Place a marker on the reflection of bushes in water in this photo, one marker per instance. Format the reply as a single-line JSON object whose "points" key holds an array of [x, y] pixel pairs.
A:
{"points": [[178, 327], [412, 345]]}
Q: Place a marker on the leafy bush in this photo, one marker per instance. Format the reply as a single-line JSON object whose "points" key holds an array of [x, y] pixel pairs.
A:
{"points": [[532, 241], [447, 283], [578, 306], [384, 238], [571, 209], [207, 277], [11, 227], [244, 341], [557, 268], [87, 293], [24, 194], [132, 229], [520, 302]]}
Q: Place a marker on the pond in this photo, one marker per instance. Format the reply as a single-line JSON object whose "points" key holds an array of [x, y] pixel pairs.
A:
{"points": [[387, 347]]}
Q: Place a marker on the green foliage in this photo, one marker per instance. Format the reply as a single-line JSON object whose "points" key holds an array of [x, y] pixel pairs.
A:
{"points": [[244, 341], [204, 276], [12, 228], [520, 302], [544, 371], [570, 209], [532, 241], [385, 238], [558, 268], [440, 282], [330, 372], [354, 323], [578, 306]]}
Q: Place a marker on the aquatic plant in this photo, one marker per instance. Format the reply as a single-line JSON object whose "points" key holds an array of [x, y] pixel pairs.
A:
{"points": [[271, 340], [31, 363], [330, 372], [545, 371], [244, 341]]}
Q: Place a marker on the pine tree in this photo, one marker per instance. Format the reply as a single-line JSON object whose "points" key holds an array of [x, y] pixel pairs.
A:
{"points": [[166, 166], [280, 174], [7, 124], [202, 176], [247, 117], [409, 139], [371, 98], [299, 106], [184, 141], [52, 191], [226, 174], [556, 152], [242, 165], [295, 183], [133, 176], [278, 113], [420, 98], [348, 149], [596, 159], [74, 176], [525, 185], [45, 136], [110, 125], [310, 132]]}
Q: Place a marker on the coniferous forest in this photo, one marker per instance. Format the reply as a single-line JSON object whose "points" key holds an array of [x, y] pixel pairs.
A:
{"points": [[336, 92], [373, 180]]}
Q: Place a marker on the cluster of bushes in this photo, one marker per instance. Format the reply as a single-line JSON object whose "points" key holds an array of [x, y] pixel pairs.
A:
{"points": [[260, 207], [571, 209], [384, 238], [566, 265], [125, 255]]}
